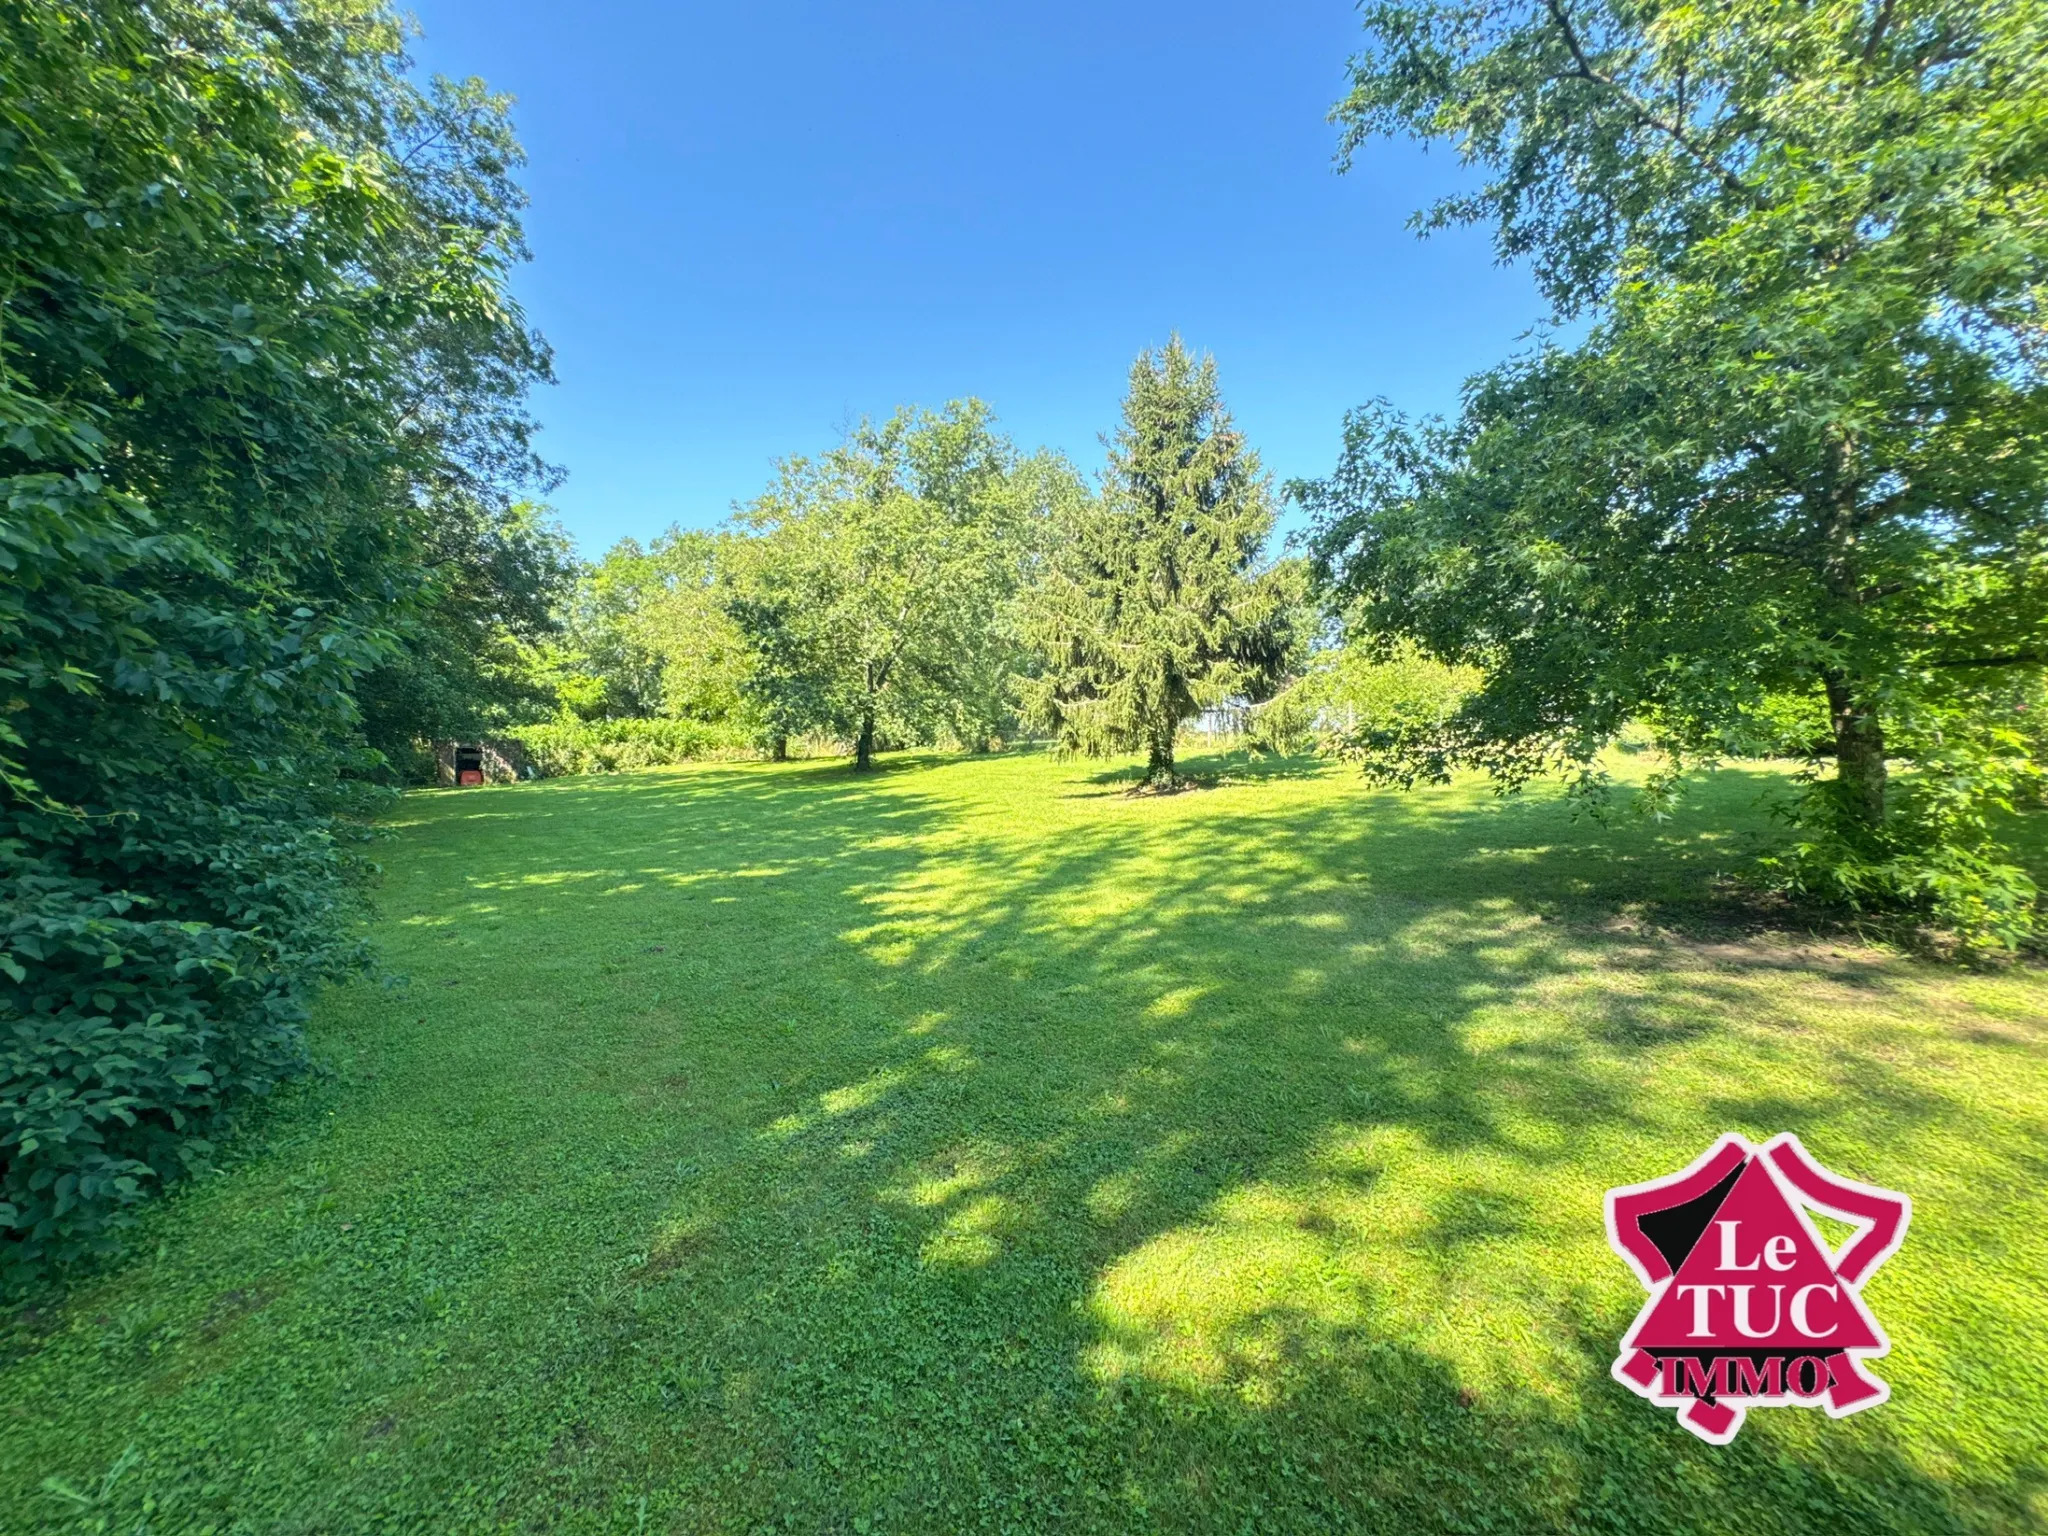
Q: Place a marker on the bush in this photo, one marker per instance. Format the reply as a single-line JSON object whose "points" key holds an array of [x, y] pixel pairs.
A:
{"points": [[130, 1042], [173, 883], [606, 746], [1937, 856], [1369, 708], [258, 352], [1784, 725]]}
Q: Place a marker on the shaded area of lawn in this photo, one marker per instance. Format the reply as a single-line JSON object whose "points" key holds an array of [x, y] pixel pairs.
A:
{"points": [[975, 1147]]}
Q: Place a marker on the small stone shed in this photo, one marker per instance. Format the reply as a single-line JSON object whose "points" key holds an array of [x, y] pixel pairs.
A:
{"points": [[487, 760]]}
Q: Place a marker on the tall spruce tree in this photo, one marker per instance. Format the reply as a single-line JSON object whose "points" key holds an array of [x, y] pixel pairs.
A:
{"points": [[1155, 605]]}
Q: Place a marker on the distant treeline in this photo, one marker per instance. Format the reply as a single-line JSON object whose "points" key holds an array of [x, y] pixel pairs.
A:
{"points": [[922, 582]]}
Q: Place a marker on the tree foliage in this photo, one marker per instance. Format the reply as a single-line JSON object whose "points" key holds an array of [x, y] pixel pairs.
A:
{"points": [[686, 621], [1370, 704], [1802, 447], [1155, 605], [648, 634], [256, 359], [876, 583], [465, 662], [571, 745]]}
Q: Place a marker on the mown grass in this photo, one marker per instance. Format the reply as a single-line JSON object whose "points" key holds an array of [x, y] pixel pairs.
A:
{"points": [[974, 1147]]}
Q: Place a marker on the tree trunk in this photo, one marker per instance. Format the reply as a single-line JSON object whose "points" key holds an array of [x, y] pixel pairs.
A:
{"points": [[1159, 772], [864, 748], [778, 749], [1859, 750], [1859, 735]]}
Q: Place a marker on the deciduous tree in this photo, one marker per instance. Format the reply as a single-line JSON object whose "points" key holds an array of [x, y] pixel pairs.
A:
{"points": [[650, 634], [1802, 446], [876, 581]]}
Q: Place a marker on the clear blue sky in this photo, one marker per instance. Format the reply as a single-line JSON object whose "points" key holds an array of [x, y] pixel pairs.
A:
{"points": [[755, 222]]}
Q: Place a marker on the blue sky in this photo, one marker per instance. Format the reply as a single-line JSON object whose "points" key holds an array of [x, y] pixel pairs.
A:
{"points": [[755, 222]]}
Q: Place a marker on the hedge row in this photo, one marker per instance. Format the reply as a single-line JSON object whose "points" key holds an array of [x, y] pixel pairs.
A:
{"points": [[605, 746]]}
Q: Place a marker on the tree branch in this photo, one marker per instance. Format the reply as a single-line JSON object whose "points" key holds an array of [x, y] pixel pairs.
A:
{"points": [[1878, 28], [1793, 485], [2009, 659], [1650, 119]]}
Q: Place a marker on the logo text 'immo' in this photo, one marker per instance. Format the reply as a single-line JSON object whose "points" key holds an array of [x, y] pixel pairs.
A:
{"points": [[1748, 1306]]}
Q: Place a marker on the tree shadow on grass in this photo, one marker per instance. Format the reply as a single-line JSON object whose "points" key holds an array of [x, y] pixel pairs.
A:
{"points": [[1104, 1231], [1213, 768], [1199, 1164], [1246, 765]]}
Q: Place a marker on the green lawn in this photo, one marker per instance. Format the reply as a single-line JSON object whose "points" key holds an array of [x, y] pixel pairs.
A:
{"points": [[974, 1147]]}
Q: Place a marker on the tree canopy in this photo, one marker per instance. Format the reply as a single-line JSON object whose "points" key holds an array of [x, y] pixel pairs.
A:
{"points": [[1802, 446], [877, 584], [647, 634]]}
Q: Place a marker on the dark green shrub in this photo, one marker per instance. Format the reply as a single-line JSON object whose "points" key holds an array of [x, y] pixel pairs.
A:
{"points": [[254, 355]]}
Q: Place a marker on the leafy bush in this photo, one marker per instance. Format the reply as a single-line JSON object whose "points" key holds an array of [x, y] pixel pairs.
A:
{"points": [[1369, 708], [255, 353], [127, 1041], [606, 746], [1937, 855], [172, 880], [1783, 725]]}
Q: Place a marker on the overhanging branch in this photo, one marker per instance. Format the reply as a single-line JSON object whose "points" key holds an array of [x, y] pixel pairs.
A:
{"points": [[1643, 111]]}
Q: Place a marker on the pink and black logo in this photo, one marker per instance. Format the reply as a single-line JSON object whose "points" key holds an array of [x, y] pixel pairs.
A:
{"points": [[1749, 1307]]}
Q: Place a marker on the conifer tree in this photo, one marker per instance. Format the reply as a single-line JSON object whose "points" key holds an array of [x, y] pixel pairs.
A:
{"points": [[1155, 605]]}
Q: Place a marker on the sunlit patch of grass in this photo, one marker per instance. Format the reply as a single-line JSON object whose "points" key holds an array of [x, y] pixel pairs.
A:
{"points": [[970, 1235], [861, 1095], [975, 1147]]}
